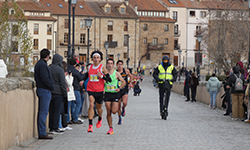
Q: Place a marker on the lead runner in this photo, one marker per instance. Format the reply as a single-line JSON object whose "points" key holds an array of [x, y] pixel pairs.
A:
{"points": [[95, 87]]}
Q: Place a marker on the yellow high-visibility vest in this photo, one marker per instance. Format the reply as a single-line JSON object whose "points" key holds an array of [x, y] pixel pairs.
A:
{"points": [[165, 74]]}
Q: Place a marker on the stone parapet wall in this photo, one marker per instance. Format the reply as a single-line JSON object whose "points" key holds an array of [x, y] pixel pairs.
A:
{"points": [[18, 111], [201, 95]]}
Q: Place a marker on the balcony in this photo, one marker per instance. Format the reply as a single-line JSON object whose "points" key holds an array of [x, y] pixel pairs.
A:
{"points": [[152, 46], [178, 33], [112, 44]]}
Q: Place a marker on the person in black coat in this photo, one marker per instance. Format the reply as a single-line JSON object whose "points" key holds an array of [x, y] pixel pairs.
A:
{"points": [[227, 97], [186, 86], [193, 82]]}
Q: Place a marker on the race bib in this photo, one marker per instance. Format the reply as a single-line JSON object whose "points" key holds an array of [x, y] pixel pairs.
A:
{"points": [[94, 78], [111, 87], [119, 83]]}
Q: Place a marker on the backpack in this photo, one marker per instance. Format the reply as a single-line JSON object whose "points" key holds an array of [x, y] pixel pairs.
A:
{"points": [[238, 86]]}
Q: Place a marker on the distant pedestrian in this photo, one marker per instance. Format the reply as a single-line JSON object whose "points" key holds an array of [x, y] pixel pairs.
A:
{"points": [[227, 97], [187, 86], [150, 71], [213, 87], [194, 69], [137, 89], [193, 82], [44, 85]]}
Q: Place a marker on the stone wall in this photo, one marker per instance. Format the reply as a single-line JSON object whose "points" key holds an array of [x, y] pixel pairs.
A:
{"points": [[202, 94], [18, 111]]}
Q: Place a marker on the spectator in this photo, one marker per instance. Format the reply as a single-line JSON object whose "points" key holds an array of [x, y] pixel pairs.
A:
{"points": [[227, 96], [76, 57], [213, 87], [150, 71], [58, 94], [44, 85], [186, 86], [237, 95], [193, 82], [137, 89]]}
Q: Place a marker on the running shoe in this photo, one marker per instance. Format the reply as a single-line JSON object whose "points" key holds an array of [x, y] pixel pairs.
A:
{"points": [[90, 129], [111, 131], [99, 123], [120, 120], [123, 112]]}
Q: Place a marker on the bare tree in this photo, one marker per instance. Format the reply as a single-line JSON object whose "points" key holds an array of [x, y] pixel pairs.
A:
{"points": [[15, 41]]}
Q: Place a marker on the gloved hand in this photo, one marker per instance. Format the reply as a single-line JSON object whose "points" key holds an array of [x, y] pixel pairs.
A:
{"points": [[160, 80]]}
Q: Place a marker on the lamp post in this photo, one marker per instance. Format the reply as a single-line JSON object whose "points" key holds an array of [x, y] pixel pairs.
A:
{"points": [[73, 3], [179, 52], [128, 59], [106, 45], [88, 22], [69, 33], [199, 38], [118, 55]]}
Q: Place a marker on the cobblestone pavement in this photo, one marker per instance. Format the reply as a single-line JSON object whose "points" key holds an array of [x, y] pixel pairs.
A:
{"points": [[190, 126]]}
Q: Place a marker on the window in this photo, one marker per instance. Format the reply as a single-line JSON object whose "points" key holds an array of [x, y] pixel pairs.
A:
{"points": [[82, 57], [12, 11], [49, 29], [145, 27], [66, 23], [166, 41], [14, 30], [122, 9], [35, 44], [125, 43], [176, 44], [35, 59], [176, 29], [166, 27], [198, 30], [145, 41], [14, 46], [192, 13], [125, 55], [82, 38], [155, 41], [197, 58], [110, 25], [49, 41], [66, 37], [82, 23], [203, 14], [110, 37], [148, 56], [175, 15], [107, 10], [125, 26], [111, 56], [36, 28], [166, 54]]}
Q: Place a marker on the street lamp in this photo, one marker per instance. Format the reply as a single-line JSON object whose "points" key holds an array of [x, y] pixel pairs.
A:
{"points": [[118, 55], [88, 22], [199, 38], [69, 33], [128, 59], [73, 3], [179, 52], [106, 45]]}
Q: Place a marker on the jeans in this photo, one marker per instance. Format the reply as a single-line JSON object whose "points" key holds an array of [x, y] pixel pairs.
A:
{"points": [[213, 98], [44, 97], [71, 106], [78, 105], [82, 101], [55, 111]]}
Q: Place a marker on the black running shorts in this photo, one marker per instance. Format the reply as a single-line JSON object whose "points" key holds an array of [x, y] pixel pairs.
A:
{"points": [[122, 93], [111, 97], [98, 96]]}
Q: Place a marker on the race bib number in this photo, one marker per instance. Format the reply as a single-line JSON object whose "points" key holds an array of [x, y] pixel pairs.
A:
{"points": [[111, 87], [94, 78]]}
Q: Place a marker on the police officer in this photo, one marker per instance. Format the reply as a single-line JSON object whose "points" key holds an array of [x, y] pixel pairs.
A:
{"points": [[165, 71]]}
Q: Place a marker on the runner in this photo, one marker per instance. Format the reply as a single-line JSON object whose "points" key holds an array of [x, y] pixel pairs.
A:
{"points": [[111, 93], [95, 87], [124, 91]]}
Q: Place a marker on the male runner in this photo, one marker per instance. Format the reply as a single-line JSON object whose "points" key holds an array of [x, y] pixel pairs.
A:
{"points": [[95, 87], [112, 92], [124, 91]]}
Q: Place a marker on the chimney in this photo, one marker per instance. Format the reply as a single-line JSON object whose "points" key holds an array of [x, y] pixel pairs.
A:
{"points": [[136, 9], [126, 2]]}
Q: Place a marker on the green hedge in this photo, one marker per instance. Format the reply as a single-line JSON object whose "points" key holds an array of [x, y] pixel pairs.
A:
{"points": [[221, 78]]}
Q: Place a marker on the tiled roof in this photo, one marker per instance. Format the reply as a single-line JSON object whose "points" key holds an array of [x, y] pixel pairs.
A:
{"points": [[55, 9], [192, 4], [31, 6], [156, 19], [168, 3], [229, 4], [147, 5], [40, 18], [97, 8]]}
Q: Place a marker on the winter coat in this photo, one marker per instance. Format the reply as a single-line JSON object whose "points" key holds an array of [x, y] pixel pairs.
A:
{"points": [[71, 94], [232, 79], [213, 84], [58, 76], [195, 81], [77, 77]]}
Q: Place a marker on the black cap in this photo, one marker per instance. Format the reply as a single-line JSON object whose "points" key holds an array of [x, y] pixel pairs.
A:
{"points": [[165, 57], [72, 62]]}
